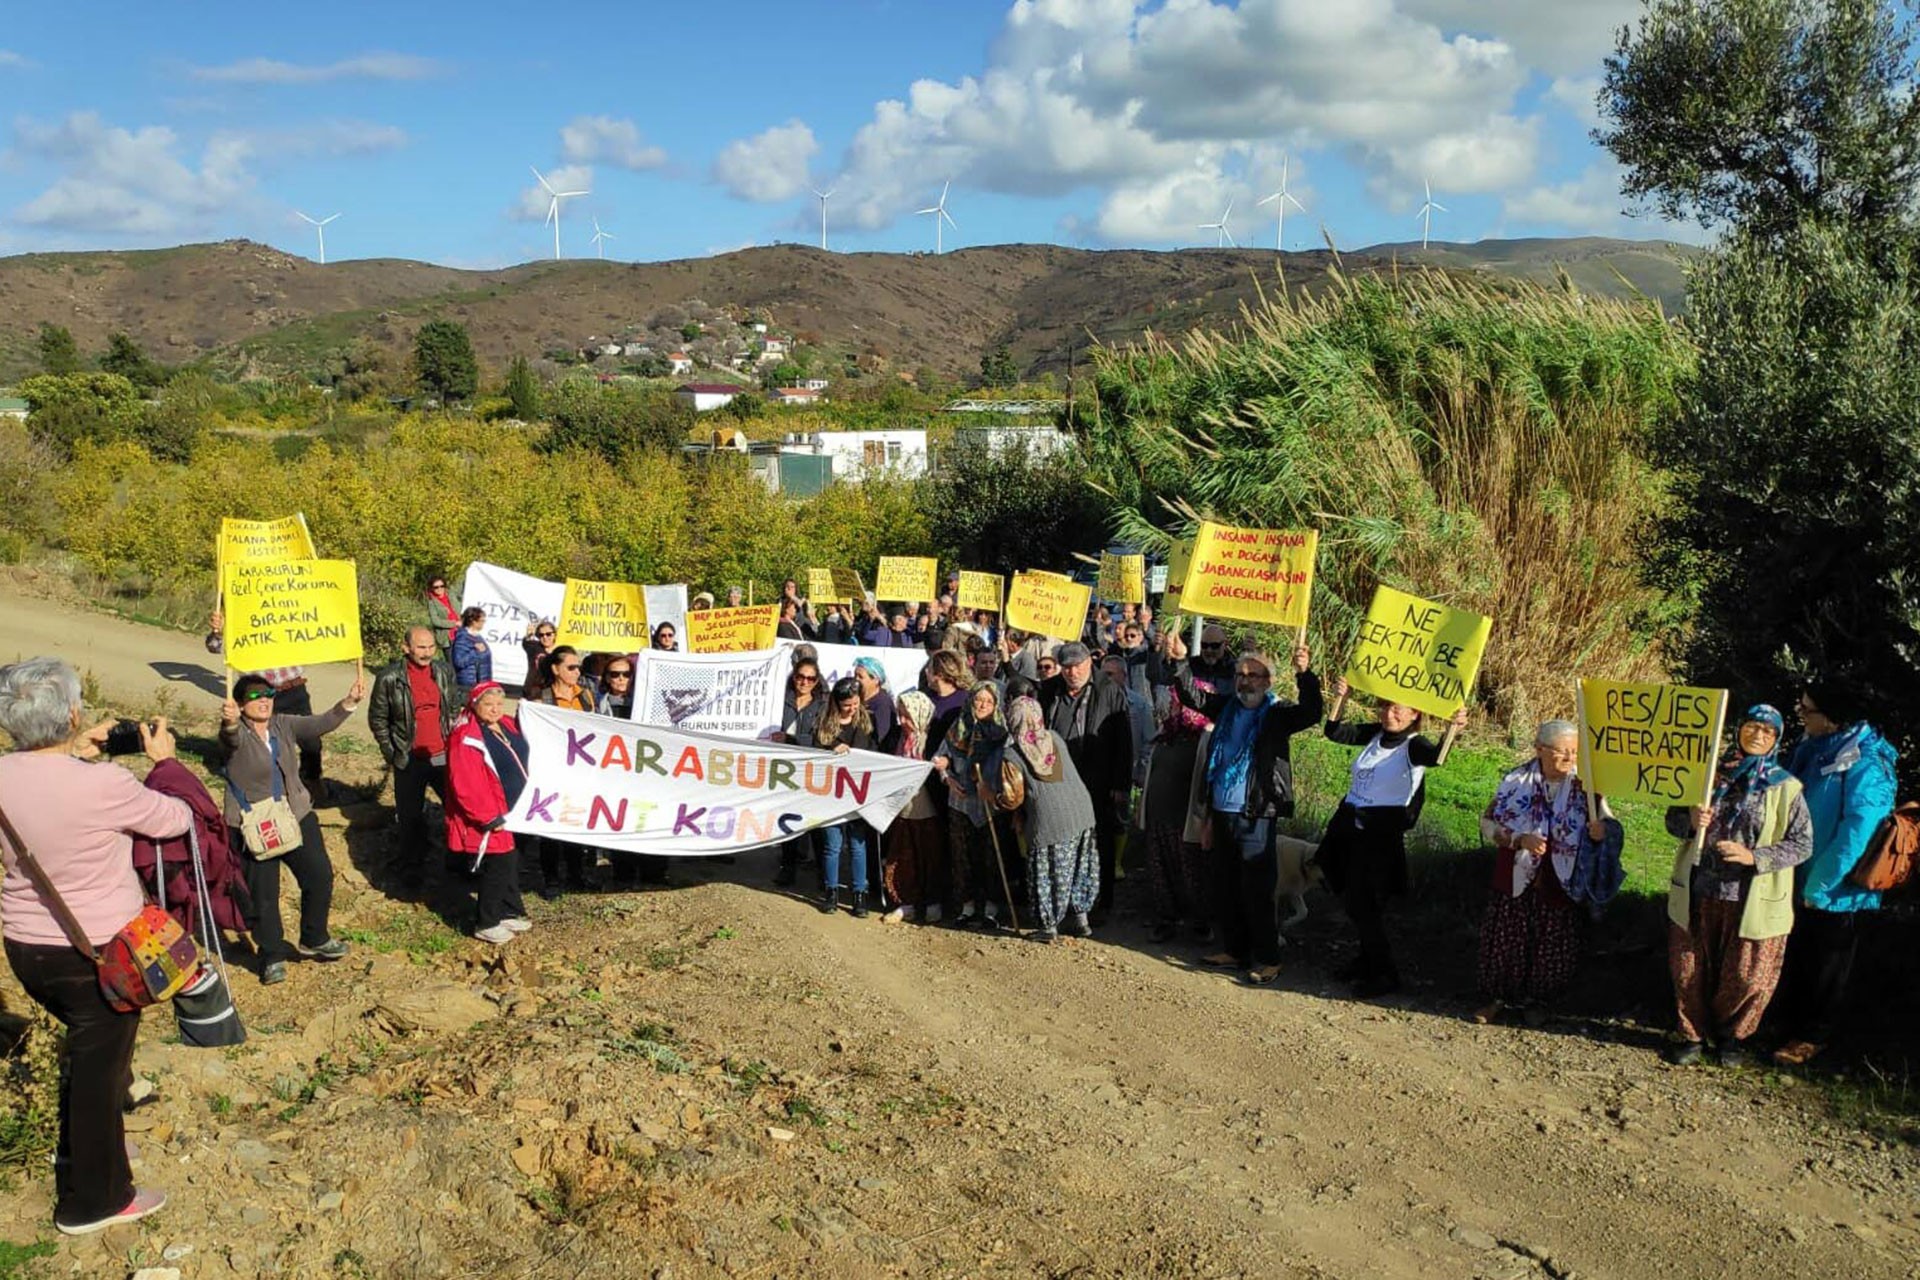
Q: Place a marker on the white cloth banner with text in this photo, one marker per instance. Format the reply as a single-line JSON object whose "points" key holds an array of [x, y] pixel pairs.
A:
{"points": [[643, 789], [736, 695], [836, 660], [513, 601]]}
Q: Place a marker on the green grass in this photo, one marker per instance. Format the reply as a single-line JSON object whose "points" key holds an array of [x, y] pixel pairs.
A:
{"points": [[418, 933], [14, 1258]]}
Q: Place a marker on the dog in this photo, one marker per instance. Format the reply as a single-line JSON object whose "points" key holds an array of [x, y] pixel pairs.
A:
{"points": [[1297, 872]]}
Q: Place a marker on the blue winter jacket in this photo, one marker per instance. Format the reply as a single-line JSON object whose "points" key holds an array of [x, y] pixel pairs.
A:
{"points": [[1848, 777], [471, 663]]}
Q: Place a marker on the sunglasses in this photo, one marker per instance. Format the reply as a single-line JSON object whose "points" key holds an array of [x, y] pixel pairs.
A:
{"points": [[619, 675], [1210, 645], [438, 586], [544, 635], [799, 678], [573, 666], [255, 695]]}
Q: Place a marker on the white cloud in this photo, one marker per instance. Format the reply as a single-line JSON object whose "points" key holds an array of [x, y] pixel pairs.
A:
{"points": [[770, 166], [532, 202], [9, 60], [128, 181], [1590, 204], [365, 66], [1580, 96], [605, 140], [1169, 208], [1559, 37]]}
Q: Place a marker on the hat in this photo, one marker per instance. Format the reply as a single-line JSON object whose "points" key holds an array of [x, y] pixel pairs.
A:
{"points": [[481, 690], [1259, 656], [1071, 652], [700, 596]]}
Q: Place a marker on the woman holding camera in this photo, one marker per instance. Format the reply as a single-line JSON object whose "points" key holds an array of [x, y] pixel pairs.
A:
{"points": [[78, 821], [259, 747]]}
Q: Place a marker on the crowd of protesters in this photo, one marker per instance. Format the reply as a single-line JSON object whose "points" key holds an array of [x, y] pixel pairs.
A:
{"points": [[1057, 766]]}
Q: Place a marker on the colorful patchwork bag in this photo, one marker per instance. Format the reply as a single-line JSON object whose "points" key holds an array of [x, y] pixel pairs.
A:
{"points": [[147, 961]]}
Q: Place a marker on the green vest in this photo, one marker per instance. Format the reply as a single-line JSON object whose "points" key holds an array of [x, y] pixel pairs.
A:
{"points": [[1768, 912]]}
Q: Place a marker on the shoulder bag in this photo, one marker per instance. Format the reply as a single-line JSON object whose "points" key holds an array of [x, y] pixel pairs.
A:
{"points": [[147, 961], [268, 826]]}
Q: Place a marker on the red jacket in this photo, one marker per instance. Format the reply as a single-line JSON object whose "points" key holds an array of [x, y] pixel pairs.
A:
{"points": [[475, 797]]}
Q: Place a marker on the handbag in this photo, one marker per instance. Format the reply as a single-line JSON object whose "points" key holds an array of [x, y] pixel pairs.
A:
{"points": [[149, 959], [268, 826], [203, 1010], [1887, 865]]}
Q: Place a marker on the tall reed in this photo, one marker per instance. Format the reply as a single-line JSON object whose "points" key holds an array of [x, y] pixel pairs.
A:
{"points": [[1476, 444]]}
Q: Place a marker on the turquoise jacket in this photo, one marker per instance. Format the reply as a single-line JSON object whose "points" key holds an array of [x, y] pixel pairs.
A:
{"points": [[1848, 777]]}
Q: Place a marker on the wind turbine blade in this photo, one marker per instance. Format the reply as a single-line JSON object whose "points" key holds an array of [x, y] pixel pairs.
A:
{"points": [[303, 217], [949, 218], [1229, 235], [329, 218], [943, 191], [918, 212], [1440, 208], [1270, 199], [1229, 212], [553, 210], [1296, 204], [567, 195], [542, 181]]}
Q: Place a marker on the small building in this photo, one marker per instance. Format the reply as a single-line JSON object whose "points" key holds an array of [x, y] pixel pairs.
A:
{"points": [[633, 350], [814, 384], [679, 362], [859, 453], [1037, 441], [777, 348], [607, 349], [708, 395], [12, 407], [795, 396]]}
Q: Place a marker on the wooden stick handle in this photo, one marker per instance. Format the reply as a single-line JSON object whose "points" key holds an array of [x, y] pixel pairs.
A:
{"points": [[1339, 708], [1446, 744]]}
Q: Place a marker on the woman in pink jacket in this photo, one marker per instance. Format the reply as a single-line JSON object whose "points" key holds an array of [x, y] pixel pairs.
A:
{"points": [[78, 820], [486, 770]]}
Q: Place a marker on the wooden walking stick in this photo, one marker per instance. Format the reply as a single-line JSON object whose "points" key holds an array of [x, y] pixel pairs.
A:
{"points": [[1006, 890]]}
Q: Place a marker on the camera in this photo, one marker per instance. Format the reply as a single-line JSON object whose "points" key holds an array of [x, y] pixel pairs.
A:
{"points": [[123, 739]]}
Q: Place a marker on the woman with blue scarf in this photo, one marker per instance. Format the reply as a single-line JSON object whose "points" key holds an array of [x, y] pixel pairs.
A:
{"points": [[1730, 902], [1847, 770]]}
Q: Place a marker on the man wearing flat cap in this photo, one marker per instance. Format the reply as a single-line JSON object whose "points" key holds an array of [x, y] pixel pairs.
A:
{"points": [[1091, 718]]}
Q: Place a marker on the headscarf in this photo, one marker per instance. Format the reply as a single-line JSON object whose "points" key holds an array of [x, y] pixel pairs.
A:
{"points": [[1742, 775], [1180, 721], [1027, 725], [873, 668], [914, 712]]}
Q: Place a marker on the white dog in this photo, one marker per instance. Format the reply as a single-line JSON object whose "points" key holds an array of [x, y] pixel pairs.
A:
{"points": [[1296, 873]]}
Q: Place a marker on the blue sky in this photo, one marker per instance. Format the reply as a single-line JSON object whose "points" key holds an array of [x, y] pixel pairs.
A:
{"points": [[699, 128]]}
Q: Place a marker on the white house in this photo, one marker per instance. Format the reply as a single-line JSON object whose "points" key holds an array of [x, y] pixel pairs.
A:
{"points": [[608, 349], [708, 395], [1038, 441], [632, 349], [795, 396], [814, 384], [776, 347], [679, 362], [858, 453]]}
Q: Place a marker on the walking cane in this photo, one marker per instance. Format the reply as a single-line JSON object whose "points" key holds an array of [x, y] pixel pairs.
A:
{"points": [[1006, 890]]}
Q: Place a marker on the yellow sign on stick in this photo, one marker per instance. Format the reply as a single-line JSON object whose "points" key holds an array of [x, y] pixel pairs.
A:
{"points": [[251, 541], [1253, 575], [1048, 604], [732, 630], [1179, 560], [847, 587], [905, 579], [820, 588], [1657, 741], [608, 617], [290, 613], [979, 590], [1123, 579], [1415, 652]]}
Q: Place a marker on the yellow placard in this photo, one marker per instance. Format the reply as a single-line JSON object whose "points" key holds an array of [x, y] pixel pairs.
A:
{"points": [[979, 590], [1253, 575], [1179, 559], [847, 587], [732, 630], [290, 613], [1415, 652], [907, 579], [1123, 578], [1048, 573], [1657, 741], [606, 617], [251, 541], [820, 588], [1048, 604]]}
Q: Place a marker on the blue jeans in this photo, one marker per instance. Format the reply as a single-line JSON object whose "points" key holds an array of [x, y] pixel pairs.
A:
{"points": [[849, 838]]}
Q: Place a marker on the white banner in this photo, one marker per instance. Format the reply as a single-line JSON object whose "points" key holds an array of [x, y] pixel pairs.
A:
{"points": [[668, 604], [901, 665], [617, 785], [513, 601], [736, 695]]}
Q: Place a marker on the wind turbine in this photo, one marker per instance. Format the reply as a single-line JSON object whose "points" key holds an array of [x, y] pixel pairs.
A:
{"points": [[823, 212], [939, 211], [600, 237], [1284, 198], [553, 207], [320, 229], [1225, 237], [1427, 211]]}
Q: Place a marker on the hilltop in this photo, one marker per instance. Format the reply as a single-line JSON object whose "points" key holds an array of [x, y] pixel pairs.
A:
{"points": [[247, 307]]}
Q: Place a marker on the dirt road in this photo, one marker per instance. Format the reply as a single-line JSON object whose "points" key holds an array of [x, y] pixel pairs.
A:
{"points": [[714, 1079]]}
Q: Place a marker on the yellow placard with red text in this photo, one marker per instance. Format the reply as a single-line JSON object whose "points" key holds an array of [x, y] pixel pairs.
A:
{"points": [[750, 626], [1179, 560], [1123, 578], [1252, 575]]}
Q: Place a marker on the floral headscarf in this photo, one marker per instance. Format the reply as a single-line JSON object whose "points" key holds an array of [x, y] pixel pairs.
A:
{"points": [[913, 711], [1027, 726], [1180, 721], [1742, 775]]}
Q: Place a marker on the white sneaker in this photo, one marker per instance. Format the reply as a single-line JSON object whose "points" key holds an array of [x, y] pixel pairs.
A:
{"points": [[519, 924], [934, 914], [499, 935], [993, 912], [894, 916], [910, 914]]}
